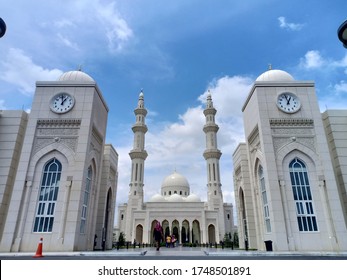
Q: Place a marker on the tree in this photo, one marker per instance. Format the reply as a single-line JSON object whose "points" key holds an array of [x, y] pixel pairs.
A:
{"points": [[121, 239], [236, 239], [227, 240]]}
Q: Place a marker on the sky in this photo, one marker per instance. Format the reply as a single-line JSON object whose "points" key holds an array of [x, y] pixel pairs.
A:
{"points": [[175, 51]]}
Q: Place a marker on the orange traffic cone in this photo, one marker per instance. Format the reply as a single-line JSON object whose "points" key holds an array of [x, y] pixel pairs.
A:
{"points": [[39, 249]]}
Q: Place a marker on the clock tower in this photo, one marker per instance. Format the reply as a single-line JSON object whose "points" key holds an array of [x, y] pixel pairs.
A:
{"points": [[284, 184], [63, 192]]}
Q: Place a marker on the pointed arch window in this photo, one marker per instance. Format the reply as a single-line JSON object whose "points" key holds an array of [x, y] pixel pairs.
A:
{"points": [[306, 218], [264, 199], [87, 191], [49, 188]]}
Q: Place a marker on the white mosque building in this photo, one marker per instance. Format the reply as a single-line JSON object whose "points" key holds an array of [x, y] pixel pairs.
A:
{"points": [[180, 212]]}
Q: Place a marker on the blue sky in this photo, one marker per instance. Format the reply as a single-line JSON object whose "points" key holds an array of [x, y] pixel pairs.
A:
{"points": [[175, 51]]}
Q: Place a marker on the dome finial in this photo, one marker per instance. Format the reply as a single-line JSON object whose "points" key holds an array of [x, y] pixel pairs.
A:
{"points": [[141, 93], [270, 66], [209, 103]]}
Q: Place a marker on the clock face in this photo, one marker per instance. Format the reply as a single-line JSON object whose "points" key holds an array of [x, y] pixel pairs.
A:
{"points": [[62, 103], [288, 102]]}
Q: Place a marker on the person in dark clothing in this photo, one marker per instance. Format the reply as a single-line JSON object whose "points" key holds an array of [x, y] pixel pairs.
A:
{"points": [[158, 235]]}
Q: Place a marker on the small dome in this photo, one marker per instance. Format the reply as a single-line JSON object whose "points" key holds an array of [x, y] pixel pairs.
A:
{"points": [[275, 76], [175, 180], [175, 198], [157, 198], [75, 76], [193, 198]]}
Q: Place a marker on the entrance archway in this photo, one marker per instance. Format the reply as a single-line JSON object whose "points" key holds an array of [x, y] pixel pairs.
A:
{"points": [[196, 235], [166, 228], [185, 232], [106, 241], [243, 215], [152, 231], [211, 234], [139, 234], [175, 230]]}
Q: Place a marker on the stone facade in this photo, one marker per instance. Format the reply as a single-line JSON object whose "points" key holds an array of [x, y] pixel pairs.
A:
{"points": [[335, 125]]}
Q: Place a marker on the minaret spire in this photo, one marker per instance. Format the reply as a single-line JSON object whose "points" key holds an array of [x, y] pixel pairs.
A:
{"points": [[212, 156], [138, 154]]}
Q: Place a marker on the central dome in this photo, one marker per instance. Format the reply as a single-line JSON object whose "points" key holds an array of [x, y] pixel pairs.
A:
{"points": [[175, 188], [175, 184], [175, 180], [275, 76]]}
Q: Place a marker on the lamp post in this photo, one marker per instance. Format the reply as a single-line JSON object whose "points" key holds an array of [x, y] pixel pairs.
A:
{"points": [[2, 27], [342, 33]]}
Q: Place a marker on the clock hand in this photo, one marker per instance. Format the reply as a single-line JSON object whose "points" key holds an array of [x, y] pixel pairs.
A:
{"points": [[288, 101], [63, 100]]}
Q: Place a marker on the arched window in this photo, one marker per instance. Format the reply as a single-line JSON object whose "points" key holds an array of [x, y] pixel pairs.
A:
{"points": [[49, 188], [302, 196], [87, 191], [264, 198]]}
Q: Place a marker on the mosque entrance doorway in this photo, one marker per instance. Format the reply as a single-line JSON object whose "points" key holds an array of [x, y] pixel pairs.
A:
{"points": [[196, 235], [185, 232], [139, 234], [175, 230], [211, 234], [166, 228]]}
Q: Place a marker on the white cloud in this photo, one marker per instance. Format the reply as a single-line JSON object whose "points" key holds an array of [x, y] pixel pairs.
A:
{"points": [[341, 87], [229, 94], [341, 63], [312, 60], [63, 23], [333, 94], [85, 26], [117, 30], [18, 69], [289, 25], [65, 41]]}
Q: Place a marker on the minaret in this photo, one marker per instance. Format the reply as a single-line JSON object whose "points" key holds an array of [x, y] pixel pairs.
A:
{"points": [[212, 156], [138, 156]]}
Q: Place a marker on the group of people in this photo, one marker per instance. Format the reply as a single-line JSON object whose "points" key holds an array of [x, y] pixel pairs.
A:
{"points": [[159, 237], [170, 241]]}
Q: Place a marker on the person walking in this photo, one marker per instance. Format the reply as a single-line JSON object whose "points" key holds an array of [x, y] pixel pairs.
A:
{"points": [[158, 235]]}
